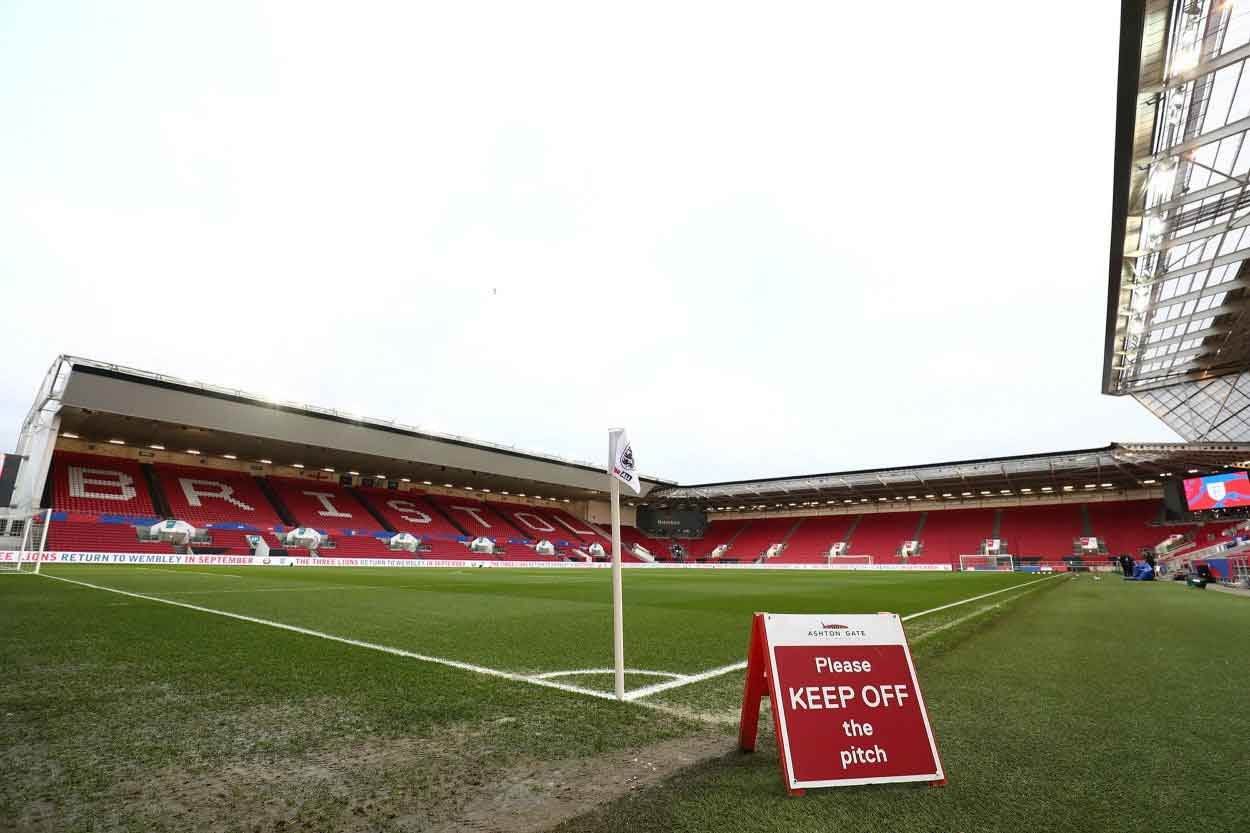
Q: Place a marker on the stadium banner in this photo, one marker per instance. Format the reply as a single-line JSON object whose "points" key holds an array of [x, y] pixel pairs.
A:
{"points": [[846, 704], [175, 559]]}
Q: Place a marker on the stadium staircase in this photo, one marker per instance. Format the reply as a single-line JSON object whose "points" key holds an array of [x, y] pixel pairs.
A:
{"points": [[369, 507], [154, 489], [278, 504]]}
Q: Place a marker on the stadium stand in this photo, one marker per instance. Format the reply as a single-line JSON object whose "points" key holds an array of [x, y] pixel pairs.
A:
{"points": [[476, 518], [1126, 526], [880, 535], [100, 485], [580, 530], [950, 533], [810, 542], [203, 497], [322, 504], [759, 535], [718, 532], [93, 536], [1046, 531]]}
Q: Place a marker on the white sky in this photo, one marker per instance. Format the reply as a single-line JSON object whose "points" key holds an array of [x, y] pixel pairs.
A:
{"points": [[769, 239]]}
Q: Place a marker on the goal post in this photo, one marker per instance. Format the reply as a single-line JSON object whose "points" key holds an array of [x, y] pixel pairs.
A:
{"points": [[993, 563], [842, 559], [23, 537]]}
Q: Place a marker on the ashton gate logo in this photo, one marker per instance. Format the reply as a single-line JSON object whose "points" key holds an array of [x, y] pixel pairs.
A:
{"points": [[835, 630]]}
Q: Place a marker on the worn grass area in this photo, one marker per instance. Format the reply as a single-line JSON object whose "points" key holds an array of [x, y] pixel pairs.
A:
{"points": [[1089, 705], [127, 714]]}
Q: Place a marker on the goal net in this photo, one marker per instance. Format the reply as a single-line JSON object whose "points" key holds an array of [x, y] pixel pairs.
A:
{"points": [[1000, 563], [22, 538], [835, 560]]}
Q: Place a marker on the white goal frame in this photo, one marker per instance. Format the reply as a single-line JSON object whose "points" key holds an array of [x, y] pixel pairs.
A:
{"points": [[992, 563], [861, 560], [28, 546]]}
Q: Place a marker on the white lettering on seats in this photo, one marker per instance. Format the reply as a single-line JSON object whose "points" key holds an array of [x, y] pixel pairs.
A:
{"points": [[329, 510], [575, 530], [195, 489], [121, 484], [521, 516], [472, 510], [402, 506]]}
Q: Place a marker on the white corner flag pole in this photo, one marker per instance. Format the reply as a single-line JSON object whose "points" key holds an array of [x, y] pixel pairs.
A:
{"points": [[618, 615]]}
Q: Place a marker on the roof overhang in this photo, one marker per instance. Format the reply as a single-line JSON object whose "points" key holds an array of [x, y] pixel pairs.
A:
{"points": [[102, 402], [1180, 225], [1118, 467]]}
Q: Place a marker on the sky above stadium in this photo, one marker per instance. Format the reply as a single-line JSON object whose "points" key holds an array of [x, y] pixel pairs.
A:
{"points": [[767, 239]]}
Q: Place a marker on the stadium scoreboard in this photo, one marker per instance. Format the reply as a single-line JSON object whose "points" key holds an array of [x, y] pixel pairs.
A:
{"points": [[672, 523]]}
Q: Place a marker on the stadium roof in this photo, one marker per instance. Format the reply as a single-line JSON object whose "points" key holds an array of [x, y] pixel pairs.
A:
{"points": [[1116, 467], [1178, 332], [102, 402]]}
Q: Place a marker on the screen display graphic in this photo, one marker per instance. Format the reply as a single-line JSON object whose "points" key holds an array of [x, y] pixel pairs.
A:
{"points": [[1217, 491]]}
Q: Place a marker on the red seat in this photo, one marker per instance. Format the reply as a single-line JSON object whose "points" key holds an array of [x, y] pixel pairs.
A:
{"points": [[322, 503], [950, 533], [201, 496], [76, 536], [810, 543], [99, 485], [1048, 532]]}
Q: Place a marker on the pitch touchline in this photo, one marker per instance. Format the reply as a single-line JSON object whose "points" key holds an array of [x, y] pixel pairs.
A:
{"points": [[540, 680]]}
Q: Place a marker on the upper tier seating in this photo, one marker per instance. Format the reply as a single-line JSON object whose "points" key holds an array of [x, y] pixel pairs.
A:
{"points": [[1046, 531], [880, 535], [950, 533], [202, 496], [99, 485], [812, 539], [411, 512], [322, 503]]}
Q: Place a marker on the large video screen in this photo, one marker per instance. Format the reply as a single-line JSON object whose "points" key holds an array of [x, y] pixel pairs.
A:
{"points": [[1217, 491]]}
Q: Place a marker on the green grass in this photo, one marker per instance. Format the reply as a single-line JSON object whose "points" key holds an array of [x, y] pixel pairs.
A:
{"points": [[127, 714], [1101, 706]]}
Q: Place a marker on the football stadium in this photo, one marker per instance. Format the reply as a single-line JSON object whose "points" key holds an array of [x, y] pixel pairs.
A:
{"points": [[221, 610]]}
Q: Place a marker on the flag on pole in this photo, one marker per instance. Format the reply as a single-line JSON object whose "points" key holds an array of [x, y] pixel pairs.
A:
{"points": [[623, 463]]}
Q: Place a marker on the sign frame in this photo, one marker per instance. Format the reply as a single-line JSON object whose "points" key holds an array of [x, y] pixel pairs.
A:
{"points": [[763, 679]]}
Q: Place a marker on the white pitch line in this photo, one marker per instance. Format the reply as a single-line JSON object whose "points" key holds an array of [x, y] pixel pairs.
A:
{"points": [[581, 671], [358, 643], [180, 570], [656, 688], [977, 598]]}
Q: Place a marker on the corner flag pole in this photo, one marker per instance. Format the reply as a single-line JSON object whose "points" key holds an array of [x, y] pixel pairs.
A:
{"points": [[618, 614]]}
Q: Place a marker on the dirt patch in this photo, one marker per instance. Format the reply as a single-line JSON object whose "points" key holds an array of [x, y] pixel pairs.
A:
{"points": [[451, 782], [536, 797]]}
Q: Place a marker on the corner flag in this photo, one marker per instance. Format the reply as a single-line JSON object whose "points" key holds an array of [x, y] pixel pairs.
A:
{"points": [[620, 470], [623, 461]]}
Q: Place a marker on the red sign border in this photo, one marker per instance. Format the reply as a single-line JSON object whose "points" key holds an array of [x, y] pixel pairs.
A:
{"points": [[761, 678]]}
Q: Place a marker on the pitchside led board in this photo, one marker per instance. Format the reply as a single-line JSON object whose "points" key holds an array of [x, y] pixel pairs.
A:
{"points": [[846, 705]]}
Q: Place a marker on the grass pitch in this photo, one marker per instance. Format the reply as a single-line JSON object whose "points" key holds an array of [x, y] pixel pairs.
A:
{"points": [[125, 713]]}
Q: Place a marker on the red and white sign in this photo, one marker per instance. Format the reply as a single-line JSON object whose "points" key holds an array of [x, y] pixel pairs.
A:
{"points": [[847, 707]]}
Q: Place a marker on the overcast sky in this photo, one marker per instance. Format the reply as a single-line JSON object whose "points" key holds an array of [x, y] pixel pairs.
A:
{"points": [[767, 238]]}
